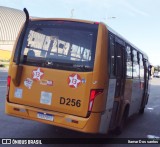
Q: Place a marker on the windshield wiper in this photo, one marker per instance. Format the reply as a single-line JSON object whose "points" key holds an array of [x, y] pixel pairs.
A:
{"points": [[83, 67], [66, 66], [50, 63]]}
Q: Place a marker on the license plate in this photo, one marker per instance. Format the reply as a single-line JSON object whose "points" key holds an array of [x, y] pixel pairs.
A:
{"points": [[45, 116]]}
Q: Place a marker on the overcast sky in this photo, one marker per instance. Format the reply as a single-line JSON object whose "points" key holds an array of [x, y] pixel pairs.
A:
{"points": [[136, 20]]}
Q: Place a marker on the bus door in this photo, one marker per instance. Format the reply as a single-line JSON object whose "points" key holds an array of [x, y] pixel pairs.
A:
{"points": [[120, 80], [136, 96], [120, 69]]}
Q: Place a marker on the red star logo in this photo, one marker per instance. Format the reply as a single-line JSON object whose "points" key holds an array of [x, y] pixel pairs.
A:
{"points": [[74, 80], [37, 74]]}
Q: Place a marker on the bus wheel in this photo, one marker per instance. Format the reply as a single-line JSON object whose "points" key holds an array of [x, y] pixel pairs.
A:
{"points": [[141, 111], [120, 127]]}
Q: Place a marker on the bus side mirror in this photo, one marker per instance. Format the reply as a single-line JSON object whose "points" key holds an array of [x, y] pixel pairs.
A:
{"points": [[16, 74]]}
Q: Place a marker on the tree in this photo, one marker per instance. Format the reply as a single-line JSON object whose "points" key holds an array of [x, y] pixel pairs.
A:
{"points": [[157, 68]]}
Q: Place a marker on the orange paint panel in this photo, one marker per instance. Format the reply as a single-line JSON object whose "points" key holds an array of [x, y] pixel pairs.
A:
{"points": [[76, 97]]}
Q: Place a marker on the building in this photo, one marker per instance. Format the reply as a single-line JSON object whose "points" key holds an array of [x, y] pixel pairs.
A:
{"points": [[11, 21]]}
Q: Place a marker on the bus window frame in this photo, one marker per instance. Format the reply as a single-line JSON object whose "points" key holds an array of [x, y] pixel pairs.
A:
{"points": [[121, 43], [141, 65], [127, 45], [121, 69], [113, 74], [117, 52], [146, 65], [138, 61], [135, 62]]}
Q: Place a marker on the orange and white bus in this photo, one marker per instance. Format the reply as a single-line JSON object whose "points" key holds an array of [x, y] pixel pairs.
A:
{"points": [[76, 74]]}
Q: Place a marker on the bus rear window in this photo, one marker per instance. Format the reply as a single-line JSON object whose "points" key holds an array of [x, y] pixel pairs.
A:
{"points": [[60, 44]]}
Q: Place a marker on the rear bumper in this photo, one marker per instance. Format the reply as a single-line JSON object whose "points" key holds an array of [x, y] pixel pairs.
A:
{"points": [[87, 125]]}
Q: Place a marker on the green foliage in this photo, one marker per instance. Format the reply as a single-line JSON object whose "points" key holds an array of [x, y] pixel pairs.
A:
{"points": [[157, 68], [4, 60], [2, 65]]}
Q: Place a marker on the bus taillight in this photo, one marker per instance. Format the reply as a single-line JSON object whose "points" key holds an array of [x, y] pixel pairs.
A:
{"points": [[8, 81], [8, 87], [93, 94]]}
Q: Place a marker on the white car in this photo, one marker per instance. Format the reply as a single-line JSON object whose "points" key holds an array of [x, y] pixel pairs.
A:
{"points": [[157, 74]]}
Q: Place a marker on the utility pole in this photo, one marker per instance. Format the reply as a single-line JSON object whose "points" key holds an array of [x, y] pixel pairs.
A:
{"points": [[72, 13]]}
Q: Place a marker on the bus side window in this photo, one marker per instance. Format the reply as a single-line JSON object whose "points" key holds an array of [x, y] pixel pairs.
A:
{"points": [[138, 61], [112, 56], [135, 64], [128, 62], [119, 61], [141, 66], [147, 69]]}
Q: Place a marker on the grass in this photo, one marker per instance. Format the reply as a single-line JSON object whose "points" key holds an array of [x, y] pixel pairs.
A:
{"points": [[4, 60], [4, 65]]}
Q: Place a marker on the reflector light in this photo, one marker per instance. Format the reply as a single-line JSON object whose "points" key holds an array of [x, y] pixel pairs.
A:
{"points": [[21, 110], [71, 121], [75, 121], [16, 109]]}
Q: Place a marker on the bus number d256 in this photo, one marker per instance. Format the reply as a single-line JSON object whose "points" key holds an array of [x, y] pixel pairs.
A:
{"points": [[70, 102]]}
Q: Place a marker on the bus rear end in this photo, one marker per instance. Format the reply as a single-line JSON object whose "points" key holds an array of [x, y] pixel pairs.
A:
{"points": [[58, 80]]}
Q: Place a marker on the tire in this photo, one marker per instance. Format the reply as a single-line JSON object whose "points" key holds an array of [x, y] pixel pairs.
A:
{"points": [[141, 111], [120, 127]]}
